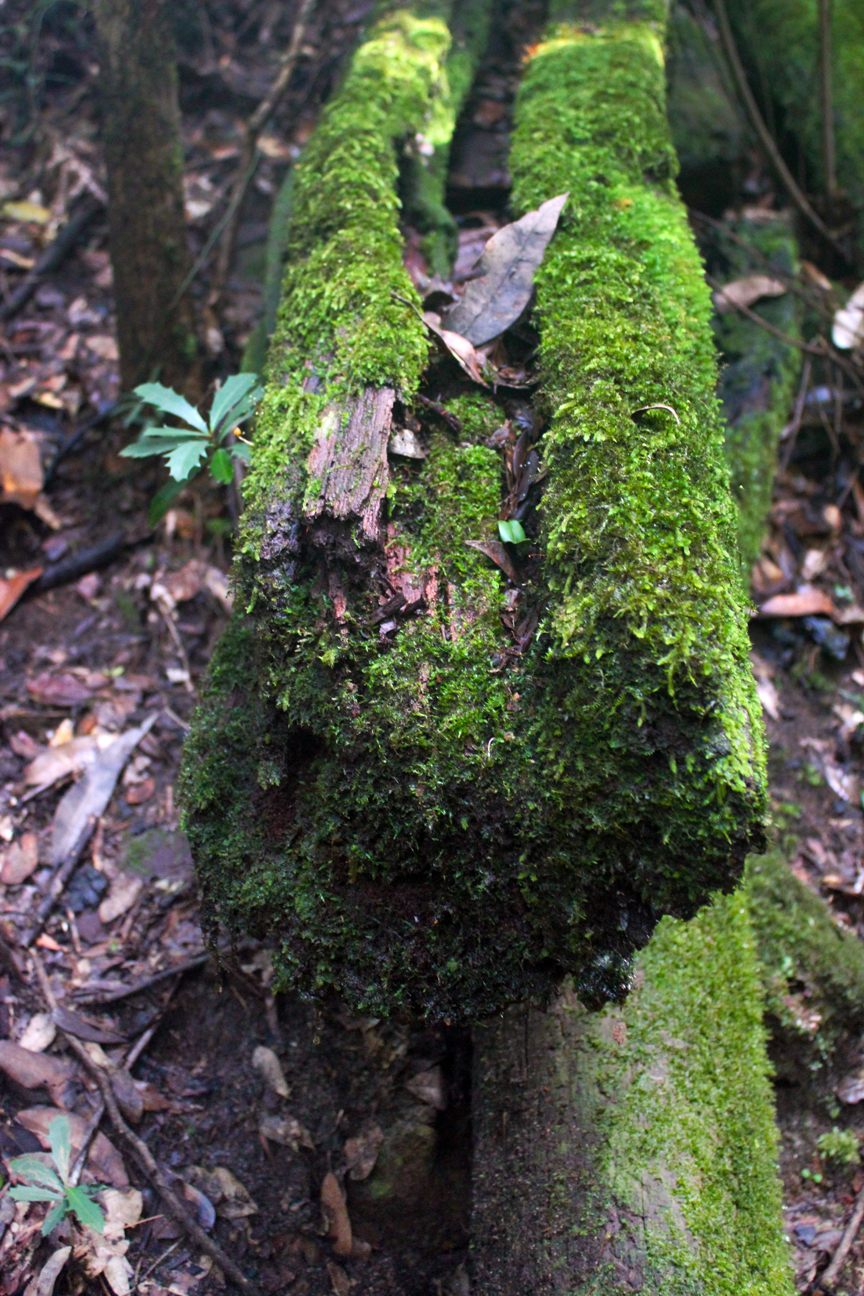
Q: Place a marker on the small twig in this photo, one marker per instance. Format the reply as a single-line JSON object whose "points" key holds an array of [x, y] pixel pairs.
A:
{"points": [[55, 888], [74, 437], [820, 348], [89, 1132], [128, 991], [52, 257], [248, 151], [829, 1277], [761, 130], [140, 1150], [827, 97], [790, 432]]}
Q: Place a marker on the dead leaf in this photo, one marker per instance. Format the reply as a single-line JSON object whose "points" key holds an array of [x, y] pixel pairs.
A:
{"points": [[71, 758], [460, 348], [104, 1161], [746, 291], [23, 745], [90, 796], [286, 1131], [361, 1153], [848, 330], [229, 1196], [505, 275], [266, 1061], [105, 1252], [124, 891], [74, 1024], [428, 1086], [50, 1271], [12, 587], [35, 1070], [20, 860], [851, 1088], [806, 602], [405, 442], [141, 792], [39, 1033], [21, 474], [171, 588], [769, 697], [497, 551], [104, 346], [59, 690], [336, 1215]]}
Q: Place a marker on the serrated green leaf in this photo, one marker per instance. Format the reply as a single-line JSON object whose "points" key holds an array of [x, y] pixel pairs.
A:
{"points": [[511, 532], [36, 1194], [229, 397], [154, 441], [240, 451], [61, 1144], [36, 1171], [185, 458], [162, 501], [221, 467], [87, 1211], [170, 402], [53, 1218]]}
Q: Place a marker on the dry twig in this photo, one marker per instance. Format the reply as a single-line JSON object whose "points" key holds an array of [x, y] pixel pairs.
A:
{"points": [[139, 1148], [829, 1277]]}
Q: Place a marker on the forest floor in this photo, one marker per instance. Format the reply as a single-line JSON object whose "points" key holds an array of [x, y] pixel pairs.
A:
{"points": [[253, 1103]]}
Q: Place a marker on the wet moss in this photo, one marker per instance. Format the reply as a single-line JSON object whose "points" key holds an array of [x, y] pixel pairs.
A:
{"points": [[451, 821], [812, 969]]}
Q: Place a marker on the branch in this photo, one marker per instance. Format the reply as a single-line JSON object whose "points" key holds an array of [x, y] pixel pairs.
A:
{"points": [[248, 150], [762, 132]]}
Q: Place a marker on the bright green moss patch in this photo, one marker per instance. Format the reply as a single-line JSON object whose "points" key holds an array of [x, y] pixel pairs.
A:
{"points": [[812, 970], [436, 792], [687, 1143]]}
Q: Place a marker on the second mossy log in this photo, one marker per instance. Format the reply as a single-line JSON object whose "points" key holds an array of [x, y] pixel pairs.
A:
{"points": [[438, 789]]}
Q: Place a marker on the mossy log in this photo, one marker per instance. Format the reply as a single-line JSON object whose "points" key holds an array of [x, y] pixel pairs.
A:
{"points": [[779, 40], [146, 220], [633, 1148], [438, 792]]}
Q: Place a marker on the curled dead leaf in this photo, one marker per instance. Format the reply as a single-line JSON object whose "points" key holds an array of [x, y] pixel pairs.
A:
{"points": [[265, 1061], [462, 351], [336, 1218], [746, 291], [20, 860], [35, 1070], [497, 551]]}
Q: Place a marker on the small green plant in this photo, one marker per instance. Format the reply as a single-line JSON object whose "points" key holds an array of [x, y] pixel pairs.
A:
{"points": [[184, 448], [511, 532], [42, 1184], [840, 1146]]}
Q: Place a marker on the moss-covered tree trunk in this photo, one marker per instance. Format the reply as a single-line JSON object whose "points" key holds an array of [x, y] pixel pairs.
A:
{"points": [[141, 134]]}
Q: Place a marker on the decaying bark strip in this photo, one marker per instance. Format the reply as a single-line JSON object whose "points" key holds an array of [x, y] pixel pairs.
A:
{"points": [[347, 466]]}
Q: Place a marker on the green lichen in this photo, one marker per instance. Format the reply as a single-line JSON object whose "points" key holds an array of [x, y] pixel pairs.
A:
{"points": [[812, 969], [684, 1114], [456, 824], [779, 40]]}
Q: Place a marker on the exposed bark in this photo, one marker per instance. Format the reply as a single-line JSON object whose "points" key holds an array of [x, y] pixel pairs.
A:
{"points": [[141, 133]]}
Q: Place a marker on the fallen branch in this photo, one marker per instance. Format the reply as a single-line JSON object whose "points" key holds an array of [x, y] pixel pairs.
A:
{"points": [[790, 432], [829, 1277], [114, 995], [762, 132], [80, 563], [53, 256], [139, 1148], [248, 150]]}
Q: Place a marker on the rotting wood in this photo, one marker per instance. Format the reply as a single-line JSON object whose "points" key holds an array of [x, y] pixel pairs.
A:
{"points": [[347, 466]]}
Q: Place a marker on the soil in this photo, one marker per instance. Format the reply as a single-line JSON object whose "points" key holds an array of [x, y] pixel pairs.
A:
{"points": [[131, 643]]}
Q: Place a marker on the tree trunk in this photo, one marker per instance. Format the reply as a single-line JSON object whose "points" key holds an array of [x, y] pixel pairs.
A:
{"points": [[634, 1148], [143, 152]]}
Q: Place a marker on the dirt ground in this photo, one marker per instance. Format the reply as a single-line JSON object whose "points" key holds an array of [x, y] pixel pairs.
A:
{"points": [[254, 1104]]}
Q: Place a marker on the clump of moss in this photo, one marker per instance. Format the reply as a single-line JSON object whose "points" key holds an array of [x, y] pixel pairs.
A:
{"points": [[458, 809], [812, 969], [759, 372]]}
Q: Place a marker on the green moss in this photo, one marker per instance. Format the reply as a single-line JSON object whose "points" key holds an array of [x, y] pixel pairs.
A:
{"points": [[812, 969], [687, 1143], [448, 823], [759, 373], [779, 39]]}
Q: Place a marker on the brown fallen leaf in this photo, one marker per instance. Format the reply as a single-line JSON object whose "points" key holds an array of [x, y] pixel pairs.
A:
{"points": [[497, 551], [502, 287], [807, 602], [20, 860], [286, 1131], [103, 1160], [62, 690], [124, 891], [141, 792], [460, 348], [14, 586], [230, 1197], [40, 1032], [50, 1271], [55, 763], [265, 1061], [361, 1152], [336, 1215], [84, 1029], [170, 588], [21, 473], [35, 1070], [746, 291]]}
